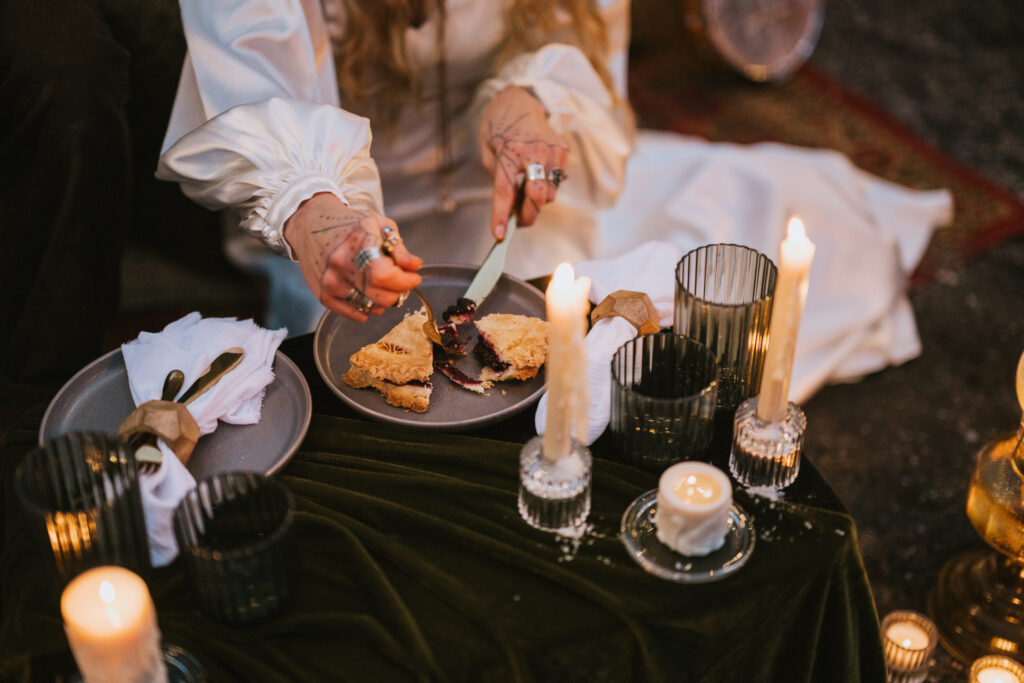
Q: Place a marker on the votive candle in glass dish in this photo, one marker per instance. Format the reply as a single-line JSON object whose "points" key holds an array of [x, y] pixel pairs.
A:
{"points": [[996, 669], [692, 516], [909, 639]]}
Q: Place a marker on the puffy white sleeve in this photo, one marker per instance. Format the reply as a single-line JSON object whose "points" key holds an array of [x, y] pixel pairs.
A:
{"points": [[599, 128], [256, 124]]}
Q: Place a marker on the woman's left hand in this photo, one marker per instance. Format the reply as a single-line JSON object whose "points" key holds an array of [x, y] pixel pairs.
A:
{"points": [[516, 142]]}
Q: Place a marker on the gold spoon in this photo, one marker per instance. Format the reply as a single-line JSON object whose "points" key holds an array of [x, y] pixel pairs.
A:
{"points": [[148, 457]]}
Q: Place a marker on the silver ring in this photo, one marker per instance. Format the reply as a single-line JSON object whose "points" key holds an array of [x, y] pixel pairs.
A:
{"points": [[536, 172], [556, 177], [401, 299], [366, 256], [359, 301], [387, 230]]}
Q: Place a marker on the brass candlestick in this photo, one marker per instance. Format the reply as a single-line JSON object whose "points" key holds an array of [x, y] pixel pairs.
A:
{"points": [[978, 601]]}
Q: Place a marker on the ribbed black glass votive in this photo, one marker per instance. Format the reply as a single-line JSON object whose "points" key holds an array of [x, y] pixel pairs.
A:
{"points": [[234, 532], [723, 298], [663, 394], [82, 494]]}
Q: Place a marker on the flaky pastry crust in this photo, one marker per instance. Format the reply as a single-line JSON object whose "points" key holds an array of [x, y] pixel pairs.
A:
{"points": [[519, 340], [402, 355]]}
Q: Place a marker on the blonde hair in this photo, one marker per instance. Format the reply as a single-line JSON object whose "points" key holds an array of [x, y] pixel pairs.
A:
{"points": [[377, 77]]}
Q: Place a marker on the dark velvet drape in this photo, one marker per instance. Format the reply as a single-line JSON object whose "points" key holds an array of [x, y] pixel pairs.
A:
{"points": [[416, 566]]}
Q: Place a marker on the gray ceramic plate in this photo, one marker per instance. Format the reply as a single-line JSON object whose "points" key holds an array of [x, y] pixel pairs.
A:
{"points": [[451, 408], [97, 398]]}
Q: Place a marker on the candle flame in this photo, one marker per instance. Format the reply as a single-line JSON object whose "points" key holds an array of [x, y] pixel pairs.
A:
{"points": [[694, 488], [107, 592], [564, 275], [795, 229]]}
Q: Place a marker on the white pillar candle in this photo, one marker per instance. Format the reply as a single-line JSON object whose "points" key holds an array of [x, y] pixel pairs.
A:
{"points": [[692, 516], [795, 256], [111, 626], [566, 365], [996, 669]]}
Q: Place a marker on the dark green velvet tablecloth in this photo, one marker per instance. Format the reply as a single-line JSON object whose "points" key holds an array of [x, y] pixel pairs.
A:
{"points": [[416, 566]]}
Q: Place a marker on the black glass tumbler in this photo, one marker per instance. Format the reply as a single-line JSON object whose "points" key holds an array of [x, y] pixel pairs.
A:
{"points": [[663, 398], [82, 493], [234, 533], [723, 298]]}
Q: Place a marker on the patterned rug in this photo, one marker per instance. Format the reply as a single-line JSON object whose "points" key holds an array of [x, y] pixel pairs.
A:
{"points": [[813, 110]]}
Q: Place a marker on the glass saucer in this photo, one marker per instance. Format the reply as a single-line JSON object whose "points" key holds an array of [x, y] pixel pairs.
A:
{"points": [[182, 667], [639, 536]]}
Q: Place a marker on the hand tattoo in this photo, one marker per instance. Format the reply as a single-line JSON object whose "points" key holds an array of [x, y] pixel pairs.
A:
{"points": [[508, 143], [347, 232]]}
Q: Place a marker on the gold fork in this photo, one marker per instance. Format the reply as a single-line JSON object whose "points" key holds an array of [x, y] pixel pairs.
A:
{"points": [[429, 327]]}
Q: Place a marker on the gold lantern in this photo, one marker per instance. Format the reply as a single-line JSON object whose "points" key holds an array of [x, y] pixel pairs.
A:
{"points": [[978, 600]]}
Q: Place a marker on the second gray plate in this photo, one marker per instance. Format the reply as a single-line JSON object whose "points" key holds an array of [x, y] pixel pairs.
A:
{"points": [[98, 399], [451, 408]]}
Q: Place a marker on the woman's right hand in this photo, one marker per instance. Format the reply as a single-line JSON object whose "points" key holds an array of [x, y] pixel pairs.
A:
{"points": [[327, 237]]}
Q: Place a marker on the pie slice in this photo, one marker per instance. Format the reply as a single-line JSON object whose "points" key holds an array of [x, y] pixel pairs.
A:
{"points": [[399, 365], [510, 347]]}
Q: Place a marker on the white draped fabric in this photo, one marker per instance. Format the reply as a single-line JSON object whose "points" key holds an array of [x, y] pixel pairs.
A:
{"points": [[258, 126]]}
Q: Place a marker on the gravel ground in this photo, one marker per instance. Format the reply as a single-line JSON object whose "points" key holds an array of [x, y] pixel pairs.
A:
{"points": [[899, 446]]}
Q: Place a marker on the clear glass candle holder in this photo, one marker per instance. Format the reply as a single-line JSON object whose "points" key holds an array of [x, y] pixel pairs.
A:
{"points": [[908, 640], [766, 454], [554, 495]]}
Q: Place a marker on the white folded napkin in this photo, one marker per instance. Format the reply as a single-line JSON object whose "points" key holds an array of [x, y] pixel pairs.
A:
{"points": [[683, 193], [190, 345]]}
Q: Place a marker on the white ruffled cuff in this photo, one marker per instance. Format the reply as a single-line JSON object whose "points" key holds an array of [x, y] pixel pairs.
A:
{"points": [[267, 215], [265, 158]]}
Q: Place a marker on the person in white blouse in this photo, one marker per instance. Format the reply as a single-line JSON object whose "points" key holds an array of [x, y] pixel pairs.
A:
{"points": [[466, 99], [465, 95]]}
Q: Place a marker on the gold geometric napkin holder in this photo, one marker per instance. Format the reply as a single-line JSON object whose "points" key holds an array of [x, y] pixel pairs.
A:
{"points": [[169, 421], [636, 307]]}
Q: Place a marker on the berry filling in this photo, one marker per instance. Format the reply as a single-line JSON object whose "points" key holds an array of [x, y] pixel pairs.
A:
{"points": [[461, 312], [450, 341], [410, 383], [458, 377], [484, 350]]}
